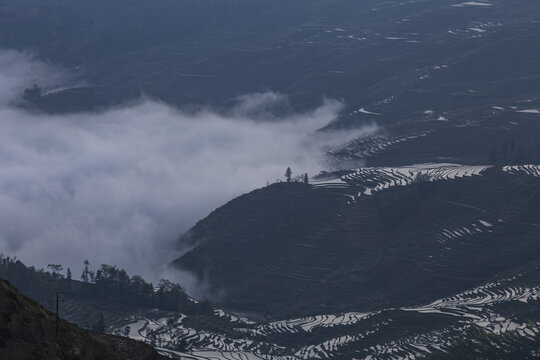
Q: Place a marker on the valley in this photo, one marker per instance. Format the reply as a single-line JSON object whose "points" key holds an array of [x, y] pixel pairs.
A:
{"points": [[408, 229]]}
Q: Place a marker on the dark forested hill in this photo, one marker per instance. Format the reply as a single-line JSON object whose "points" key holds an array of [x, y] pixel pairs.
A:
{"points": [[27, 331], [377, 237]]}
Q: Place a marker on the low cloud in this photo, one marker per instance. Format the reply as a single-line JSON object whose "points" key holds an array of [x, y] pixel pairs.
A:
{"points": [[121, 185]]}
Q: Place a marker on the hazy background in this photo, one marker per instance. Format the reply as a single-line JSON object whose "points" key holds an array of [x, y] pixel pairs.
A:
{"points": [[119, 186]]}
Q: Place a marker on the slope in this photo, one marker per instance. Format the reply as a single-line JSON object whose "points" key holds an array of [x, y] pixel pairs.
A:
{"points": [[375, 237], [27, 331]]}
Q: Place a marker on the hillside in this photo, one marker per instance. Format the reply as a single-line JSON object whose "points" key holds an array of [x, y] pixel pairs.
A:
{"points": [[377, 237], [502, 314], [27, 331]]}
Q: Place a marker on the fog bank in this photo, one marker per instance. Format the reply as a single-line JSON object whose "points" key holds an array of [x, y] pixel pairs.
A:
{"points": [[121, 185]]}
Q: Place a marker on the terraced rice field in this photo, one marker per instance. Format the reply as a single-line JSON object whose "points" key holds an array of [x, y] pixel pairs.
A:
{"points": [[446, 319], [533, 170], [456, 238], [374, 179]]}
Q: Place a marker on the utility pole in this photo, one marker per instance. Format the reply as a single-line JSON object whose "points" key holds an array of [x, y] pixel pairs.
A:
{"points": [[57, 314]]}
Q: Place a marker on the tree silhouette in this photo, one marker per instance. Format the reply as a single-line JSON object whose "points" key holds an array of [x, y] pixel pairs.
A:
{"points": [[86, 273], [288, 174], [55, 268], [33, 93], [69, 275]]}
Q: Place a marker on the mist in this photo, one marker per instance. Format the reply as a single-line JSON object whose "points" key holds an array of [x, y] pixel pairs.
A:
{"points": [[121, 185]]}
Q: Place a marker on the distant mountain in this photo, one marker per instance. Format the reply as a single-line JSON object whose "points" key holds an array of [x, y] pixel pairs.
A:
{"points": [[443, 81], [27, 331], [398, 59]]}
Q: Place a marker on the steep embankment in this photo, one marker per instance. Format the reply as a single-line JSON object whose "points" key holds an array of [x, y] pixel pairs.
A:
{"points": [[27, 331]]}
